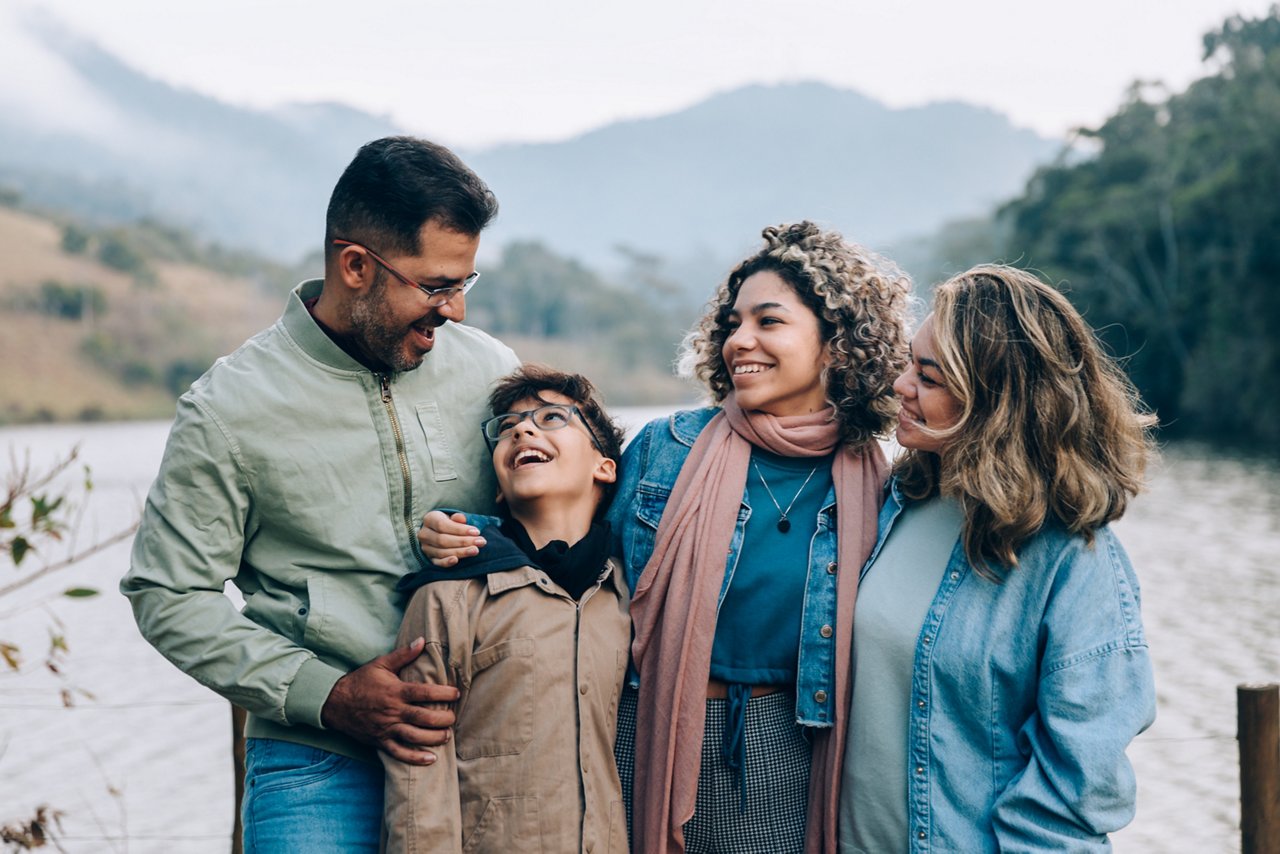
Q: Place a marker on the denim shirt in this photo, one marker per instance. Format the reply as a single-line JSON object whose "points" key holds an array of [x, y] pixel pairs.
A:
{"points": [[1024, 696], [650, 467]]}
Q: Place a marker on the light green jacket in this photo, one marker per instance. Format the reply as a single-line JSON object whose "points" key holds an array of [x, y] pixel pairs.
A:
{"points": [[300, 476]]}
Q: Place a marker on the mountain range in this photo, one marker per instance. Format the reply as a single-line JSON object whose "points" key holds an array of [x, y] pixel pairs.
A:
{"points": [[697, 183]]}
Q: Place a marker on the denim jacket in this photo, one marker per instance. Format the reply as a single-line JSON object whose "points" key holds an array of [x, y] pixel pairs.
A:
{"points": [[650, 467], [1024, 696]]}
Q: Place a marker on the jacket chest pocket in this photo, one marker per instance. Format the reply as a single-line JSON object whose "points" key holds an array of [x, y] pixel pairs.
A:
{"points": [[650, 502], [498, 718], [439, 449]]}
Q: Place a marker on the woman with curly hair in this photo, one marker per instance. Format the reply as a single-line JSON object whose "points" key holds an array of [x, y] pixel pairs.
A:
{"points": [[742, 527], [1000, 666]]}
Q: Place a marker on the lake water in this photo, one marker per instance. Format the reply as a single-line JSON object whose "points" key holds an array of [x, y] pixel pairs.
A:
{"points": [[145, 765]]}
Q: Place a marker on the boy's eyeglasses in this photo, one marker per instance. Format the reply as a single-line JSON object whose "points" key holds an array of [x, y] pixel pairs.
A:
{"points": [[436, 297], [553, 416]]}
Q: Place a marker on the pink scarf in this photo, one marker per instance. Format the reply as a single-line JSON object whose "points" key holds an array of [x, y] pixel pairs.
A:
{"points": [[674, 613]]}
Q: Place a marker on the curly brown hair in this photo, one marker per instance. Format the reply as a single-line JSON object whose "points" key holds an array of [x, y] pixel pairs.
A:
{"points": [[530, 380], [861, 302], [1050, 427]]}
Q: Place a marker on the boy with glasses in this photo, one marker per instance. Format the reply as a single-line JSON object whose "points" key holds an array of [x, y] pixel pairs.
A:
{"points": [[534, 634]]}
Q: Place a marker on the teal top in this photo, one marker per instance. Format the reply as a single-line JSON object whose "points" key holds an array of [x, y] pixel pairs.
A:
{"points": [[757, 639], [893, 598]]}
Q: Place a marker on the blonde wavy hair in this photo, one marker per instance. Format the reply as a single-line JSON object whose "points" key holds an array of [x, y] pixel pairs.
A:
{"points": [[1049, 425], [860, 301]]}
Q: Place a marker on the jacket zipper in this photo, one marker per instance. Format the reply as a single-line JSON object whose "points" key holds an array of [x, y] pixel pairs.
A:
{"points": [[389, 405], [577, 678]]}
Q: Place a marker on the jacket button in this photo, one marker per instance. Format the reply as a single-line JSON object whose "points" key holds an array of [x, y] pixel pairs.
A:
{"points": [[919, 769], [825, 631], [831, 568], [920, 834], [954, 576], [920, 704], [925, 639], [820, 696]]}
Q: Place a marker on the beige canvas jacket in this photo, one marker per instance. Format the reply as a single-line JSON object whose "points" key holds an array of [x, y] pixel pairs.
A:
{"points": [[530, 767]]}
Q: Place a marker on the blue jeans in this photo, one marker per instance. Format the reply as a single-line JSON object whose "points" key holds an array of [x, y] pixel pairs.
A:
{"points": [[303, 799]]}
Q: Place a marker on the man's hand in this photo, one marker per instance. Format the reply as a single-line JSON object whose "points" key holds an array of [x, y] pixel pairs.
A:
{"points": [[445, 539], [372, 705]]}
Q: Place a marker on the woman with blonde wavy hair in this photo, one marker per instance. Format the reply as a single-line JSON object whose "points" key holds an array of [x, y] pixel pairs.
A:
{"points": [[1000, 665]]}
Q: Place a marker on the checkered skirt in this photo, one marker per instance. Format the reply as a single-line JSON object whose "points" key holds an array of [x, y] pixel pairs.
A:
{"points": [[777, 771]]}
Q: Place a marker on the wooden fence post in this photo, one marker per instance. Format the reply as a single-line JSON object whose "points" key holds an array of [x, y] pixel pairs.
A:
{"points": [[1258, 715], [237, 760]]}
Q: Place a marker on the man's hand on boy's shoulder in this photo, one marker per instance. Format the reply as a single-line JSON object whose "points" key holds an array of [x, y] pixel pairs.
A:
{"points": [[374, 705], [445, 539]]}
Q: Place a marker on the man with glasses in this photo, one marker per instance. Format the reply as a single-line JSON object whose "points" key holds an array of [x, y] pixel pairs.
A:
{"points": [[299, 468]]}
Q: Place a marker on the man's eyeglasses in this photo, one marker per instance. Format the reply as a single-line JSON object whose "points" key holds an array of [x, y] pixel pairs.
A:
{"points": [[553, 416], [436, 297]]}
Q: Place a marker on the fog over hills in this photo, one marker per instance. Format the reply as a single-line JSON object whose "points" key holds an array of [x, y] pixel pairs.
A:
{"points": [[109, 143], [711, 176]]}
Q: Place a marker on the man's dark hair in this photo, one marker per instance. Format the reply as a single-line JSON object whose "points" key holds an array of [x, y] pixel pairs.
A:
{"points": [[397, 184], [532, 380]]}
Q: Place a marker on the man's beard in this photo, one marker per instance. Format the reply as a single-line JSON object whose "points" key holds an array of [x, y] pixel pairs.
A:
{"points": [[376, 332]]}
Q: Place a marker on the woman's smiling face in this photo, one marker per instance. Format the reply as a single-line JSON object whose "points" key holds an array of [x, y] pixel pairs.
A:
{"points": [[775, 353], [927, 403]]}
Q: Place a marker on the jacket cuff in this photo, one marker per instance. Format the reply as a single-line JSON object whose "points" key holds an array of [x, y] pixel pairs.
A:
{"points": [[475, 520], [308, 691]]}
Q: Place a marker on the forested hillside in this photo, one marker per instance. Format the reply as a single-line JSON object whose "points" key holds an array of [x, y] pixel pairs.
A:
{"points": [[115, 322], [1169, 238]]}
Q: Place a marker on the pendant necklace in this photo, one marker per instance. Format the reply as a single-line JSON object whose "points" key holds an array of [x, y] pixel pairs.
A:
{"points": [[784, 524]]}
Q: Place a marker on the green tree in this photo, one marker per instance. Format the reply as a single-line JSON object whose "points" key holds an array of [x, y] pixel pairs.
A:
{"points": [[71, 302], [75, 240], [117, 250], [1166, 238]]}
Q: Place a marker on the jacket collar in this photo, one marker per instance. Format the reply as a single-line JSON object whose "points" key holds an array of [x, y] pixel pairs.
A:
{"points": [[511, 579], [686, 424], [307, 334]]}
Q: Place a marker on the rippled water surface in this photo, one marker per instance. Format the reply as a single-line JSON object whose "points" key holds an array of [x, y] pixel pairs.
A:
{"points": [[145, 765]]}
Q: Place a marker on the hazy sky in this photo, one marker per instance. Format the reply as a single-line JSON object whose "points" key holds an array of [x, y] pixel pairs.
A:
{"points": [[474, 72]]}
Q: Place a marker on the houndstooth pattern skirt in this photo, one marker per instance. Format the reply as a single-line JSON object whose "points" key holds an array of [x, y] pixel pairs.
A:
{"points": [[777, 772]]}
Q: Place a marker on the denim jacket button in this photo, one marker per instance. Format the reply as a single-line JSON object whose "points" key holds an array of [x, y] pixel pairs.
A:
{"points": [[831, 568], [925, 639], [920, 834], [826, 631], [954, 575], [920, 704], [820, 696], [919, 769]]}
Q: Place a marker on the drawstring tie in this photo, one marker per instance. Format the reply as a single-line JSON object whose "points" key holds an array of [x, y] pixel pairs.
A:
{"points": [[733, 743]]}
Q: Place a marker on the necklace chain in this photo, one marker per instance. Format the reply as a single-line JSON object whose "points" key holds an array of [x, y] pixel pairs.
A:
{"points": [[784, 524]]}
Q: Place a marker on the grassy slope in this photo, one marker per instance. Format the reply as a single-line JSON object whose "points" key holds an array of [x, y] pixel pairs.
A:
{"points": [[45, 373], [189, 313]]}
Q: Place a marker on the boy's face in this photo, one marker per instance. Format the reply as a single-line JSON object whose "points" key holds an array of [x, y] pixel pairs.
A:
{"points": [[538, 464]]}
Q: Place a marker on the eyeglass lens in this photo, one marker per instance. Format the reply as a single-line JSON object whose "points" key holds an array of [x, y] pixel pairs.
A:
{"points": [[550, 417]]}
